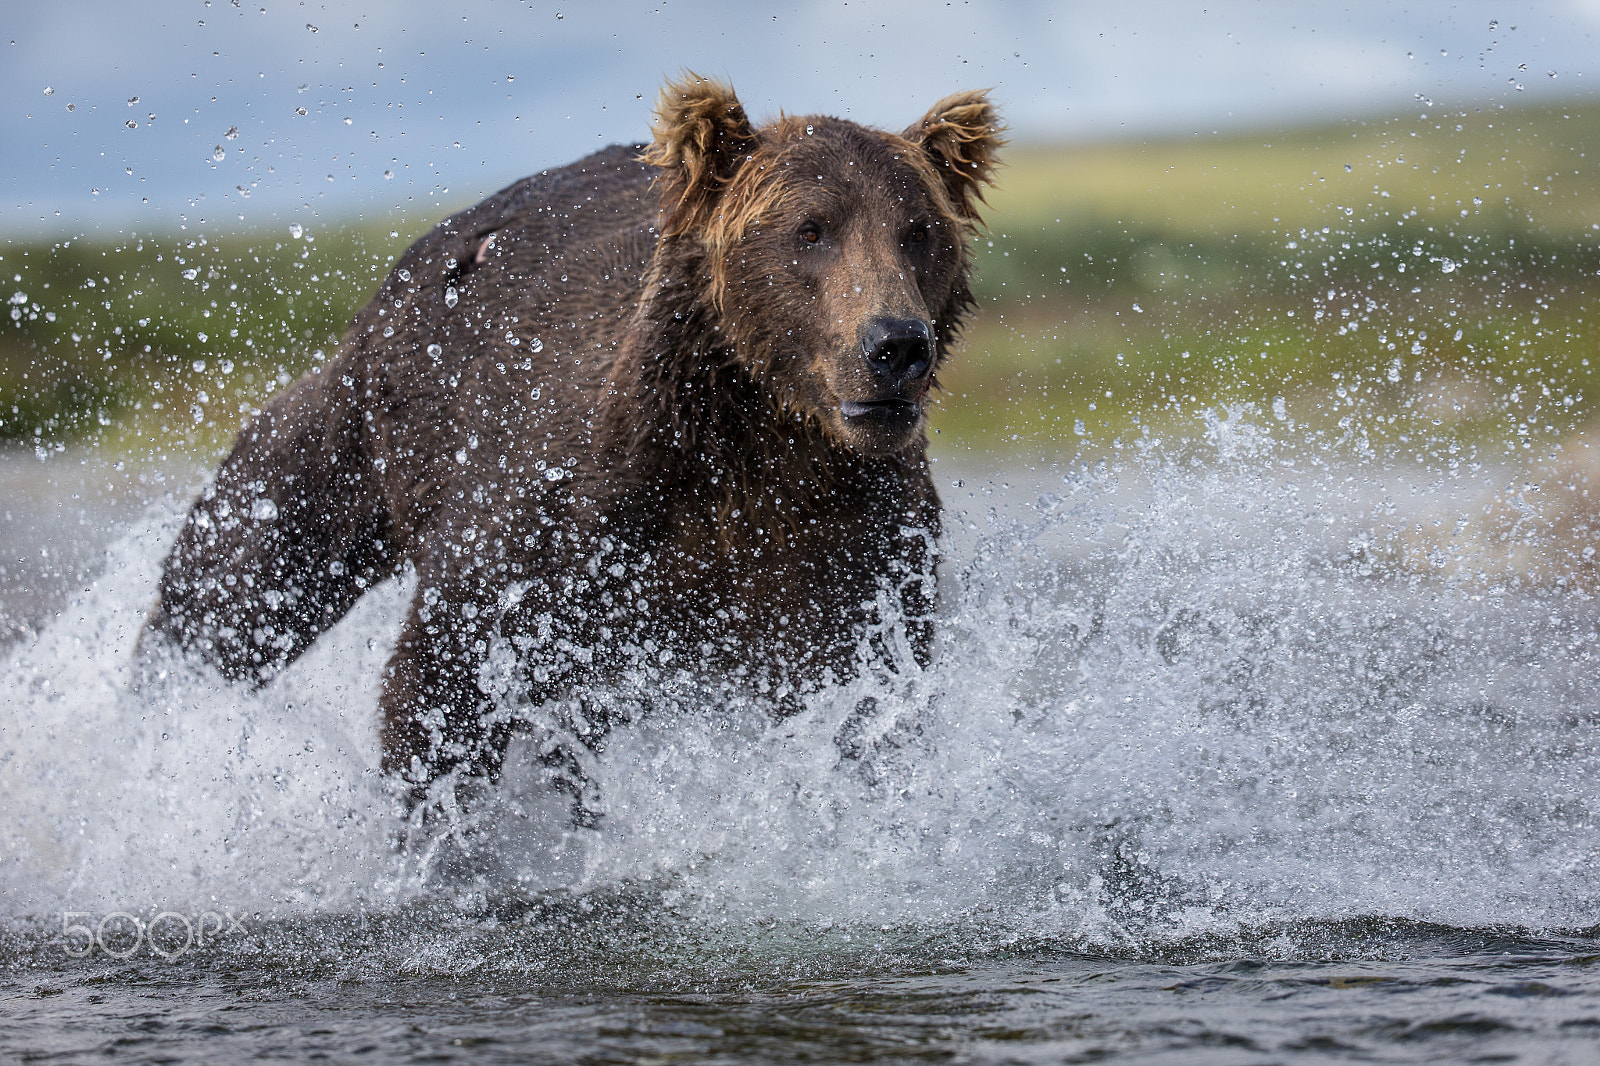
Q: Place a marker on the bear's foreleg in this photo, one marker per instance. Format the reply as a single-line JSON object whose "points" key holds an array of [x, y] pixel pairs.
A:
{"points": [[433, 704]]}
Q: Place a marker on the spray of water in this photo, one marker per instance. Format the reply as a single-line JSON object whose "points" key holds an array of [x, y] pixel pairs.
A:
{"points": [[1173, 696]]}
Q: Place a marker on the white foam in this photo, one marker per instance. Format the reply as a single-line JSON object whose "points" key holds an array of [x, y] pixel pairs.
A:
{"points": [[1169, 697]]}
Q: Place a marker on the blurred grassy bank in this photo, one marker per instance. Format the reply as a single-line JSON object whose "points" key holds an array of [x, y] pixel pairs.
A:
{"points": [[156, 342], [1438, 271]]}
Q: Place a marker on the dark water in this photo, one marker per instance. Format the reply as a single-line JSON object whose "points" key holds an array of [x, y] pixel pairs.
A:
{"points": [[1206, 771], [618, 980]]}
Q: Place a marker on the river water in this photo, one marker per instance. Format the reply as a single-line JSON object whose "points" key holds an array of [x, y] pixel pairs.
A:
{"points": [[1209, 768]]}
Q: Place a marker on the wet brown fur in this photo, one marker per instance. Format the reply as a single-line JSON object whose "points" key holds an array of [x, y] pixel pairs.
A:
{"points": [[651, 325]]}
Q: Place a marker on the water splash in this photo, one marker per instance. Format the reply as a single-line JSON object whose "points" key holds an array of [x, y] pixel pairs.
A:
{"points": [[1173, 697]]}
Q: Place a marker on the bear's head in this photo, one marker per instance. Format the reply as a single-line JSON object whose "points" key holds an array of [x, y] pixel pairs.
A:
{"points": [[833, 257]]}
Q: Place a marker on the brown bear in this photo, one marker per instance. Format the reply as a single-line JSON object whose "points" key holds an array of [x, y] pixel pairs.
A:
{"points": [[663, 405]]}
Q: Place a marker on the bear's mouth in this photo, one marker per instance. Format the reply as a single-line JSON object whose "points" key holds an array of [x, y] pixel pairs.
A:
{"points": [[882, 412]]}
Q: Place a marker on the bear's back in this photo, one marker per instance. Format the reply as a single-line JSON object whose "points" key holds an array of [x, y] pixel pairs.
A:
{"points": [[496, 329], [530, 234]]}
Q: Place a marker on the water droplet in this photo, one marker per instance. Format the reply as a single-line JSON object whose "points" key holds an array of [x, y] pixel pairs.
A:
{"points": [[554, 473], [219, 153], [299, 110], [310, 27], [48, 91], [435, 350], [536, 345], [450, 296], [232, 134], [191, 273], [1280, 410], [388, 175], [461, 456], [132, 100], [1078, 427], [1447, 265], [295, 230], [264, 510], [1347, 168], [131, 124]]}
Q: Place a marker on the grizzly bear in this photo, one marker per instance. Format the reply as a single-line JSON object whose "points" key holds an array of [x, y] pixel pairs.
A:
{"points": [[662, 406]]}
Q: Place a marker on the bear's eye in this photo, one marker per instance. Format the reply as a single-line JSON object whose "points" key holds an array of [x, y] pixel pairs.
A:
{"points": [[810, 231], [918, 234]]}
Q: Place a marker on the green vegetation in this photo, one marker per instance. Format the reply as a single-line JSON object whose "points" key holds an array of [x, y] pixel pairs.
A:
{"points": [[1441, 271], [166, 340]]}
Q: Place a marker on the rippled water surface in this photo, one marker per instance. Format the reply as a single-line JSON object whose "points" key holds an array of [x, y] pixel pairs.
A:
{"points": [[1212, 766]]}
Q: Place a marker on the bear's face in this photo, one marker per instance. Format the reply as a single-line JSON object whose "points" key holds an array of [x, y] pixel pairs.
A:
{"points": [[835, 286], [835, 256]]}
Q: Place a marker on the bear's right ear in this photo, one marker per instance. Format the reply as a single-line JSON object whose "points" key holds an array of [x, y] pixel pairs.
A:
{"points": [[701, 137]]}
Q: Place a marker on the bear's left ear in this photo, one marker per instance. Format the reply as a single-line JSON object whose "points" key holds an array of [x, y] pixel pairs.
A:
{"points": [[701, 136], [963, 135]]}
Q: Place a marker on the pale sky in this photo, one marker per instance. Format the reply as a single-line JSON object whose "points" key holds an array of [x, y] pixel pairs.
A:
{"points": [[332, 110]]}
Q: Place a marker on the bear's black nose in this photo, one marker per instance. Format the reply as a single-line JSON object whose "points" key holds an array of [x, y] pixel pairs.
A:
{"points": [[899, 350]]}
